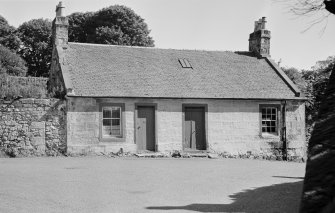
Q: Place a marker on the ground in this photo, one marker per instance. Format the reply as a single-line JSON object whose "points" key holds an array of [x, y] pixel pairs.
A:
{"points": [[101, 184]]}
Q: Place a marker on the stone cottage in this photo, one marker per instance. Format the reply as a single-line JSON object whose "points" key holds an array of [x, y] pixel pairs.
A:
{"points": [[152, 99]]}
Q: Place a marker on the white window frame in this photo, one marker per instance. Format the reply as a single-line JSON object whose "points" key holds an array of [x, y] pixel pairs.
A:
{"points": [[112, 138]]}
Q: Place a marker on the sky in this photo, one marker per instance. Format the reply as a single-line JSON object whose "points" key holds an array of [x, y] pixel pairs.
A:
{"points": [[206, 24]]}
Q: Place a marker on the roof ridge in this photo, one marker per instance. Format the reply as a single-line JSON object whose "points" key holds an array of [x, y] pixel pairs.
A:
{"points": [[157, 48]]}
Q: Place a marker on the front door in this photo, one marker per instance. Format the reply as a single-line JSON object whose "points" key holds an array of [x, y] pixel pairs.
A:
{"points": [[194, 130], [145, 128]]}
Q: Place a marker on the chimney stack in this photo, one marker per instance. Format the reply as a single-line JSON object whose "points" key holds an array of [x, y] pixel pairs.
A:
{"points": [[259, 40], [60, 27]]}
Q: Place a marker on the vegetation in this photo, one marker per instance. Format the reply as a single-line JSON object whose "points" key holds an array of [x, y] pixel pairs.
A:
{"points": [[8, 36], [118, 25], [11, 63], [36, 47]]}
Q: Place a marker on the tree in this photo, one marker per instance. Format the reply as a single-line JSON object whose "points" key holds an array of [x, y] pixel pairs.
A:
{"points": [[78, 26], [8, 37], [316, 83], [319, 184], [296, 77], [118, 25], [11, 63], [37, 46]]}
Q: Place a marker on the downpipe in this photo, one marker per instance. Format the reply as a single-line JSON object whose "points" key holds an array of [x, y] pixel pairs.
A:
{"points": [[283, 130]]}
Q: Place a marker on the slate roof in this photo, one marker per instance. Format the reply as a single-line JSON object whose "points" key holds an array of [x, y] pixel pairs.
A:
{"points": [[119, 71]]}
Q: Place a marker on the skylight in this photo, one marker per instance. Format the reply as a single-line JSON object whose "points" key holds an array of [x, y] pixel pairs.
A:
{"points": [[184, 63]]}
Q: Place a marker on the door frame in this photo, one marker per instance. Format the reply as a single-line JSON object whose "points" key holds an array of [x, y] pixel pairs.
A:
{"points": [[154, 105], [205, 107]]}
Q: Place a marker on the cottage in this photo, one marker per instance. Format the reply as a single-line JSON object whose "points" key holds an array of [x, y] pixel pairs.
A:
{"points": [[152, 99]]}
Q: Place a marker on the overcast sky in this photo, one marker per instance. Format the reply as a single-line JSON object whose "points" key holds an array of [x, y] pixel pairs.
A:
{"points": [[205, 24]]}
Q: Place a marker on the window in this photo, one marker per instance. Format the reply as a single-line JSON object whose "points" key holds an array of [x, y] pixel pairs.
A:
{"points": [[185, 63], [269, 119], [112, 122]]}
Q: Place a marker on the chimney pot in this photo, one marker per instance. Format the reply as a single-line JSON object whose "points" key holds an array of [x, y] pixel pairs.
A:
{"points": [[60, 9]]}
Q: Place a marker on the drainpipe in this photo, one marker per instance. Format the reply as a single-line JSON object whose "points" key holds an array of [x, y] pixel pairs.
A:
{"points": [[283, 132]]}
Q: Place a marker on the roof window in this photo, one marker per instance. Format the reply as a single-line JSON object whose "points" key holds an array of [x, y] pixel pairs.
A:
{"points": [[185, 63]]}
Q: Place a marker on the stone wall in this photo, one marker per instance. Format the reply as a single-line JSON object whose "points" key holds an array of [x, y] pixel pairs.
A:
{"points": [[233, 127], [33, 127]]}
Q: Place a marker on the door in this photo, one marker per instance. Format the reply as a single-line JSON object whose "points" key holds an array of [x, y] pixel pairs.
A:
{"points": [[145, 128], [194, 130]]}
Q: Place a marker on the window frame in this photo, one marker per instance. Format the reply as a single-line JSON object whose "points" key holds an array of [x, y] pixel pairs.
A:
{"points": [[120, 138], [278, 121]]}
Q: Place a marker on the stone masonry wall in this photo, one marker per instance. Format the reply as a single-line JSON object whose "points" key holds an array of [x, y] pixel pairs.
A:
{"points": [[233, 127], [33, 127]]}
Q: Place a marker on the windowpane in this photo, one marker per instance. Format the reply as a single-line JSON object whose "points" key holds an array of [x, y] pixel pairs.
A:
{"points": [[273, 110], [116, 112], [116, 122], [106, 113], [273, 117], [268, 129], [107, 122], [268, 123], [268, 110], [273, 123], [263, 111], [106, 127], [116, 128], [273, 129]]}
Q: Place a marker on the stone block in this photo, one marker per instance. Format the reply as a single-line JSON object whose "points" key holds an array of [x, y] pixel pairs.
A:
{"points": [[38, 141], [37, 125], [40, 148], [213, 155], [27, 101], [44, 102]]}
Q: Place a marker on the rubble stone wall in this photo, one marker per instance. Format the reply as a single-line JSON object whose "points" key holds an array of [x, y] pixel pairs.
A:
{"points": [[33, 127]]}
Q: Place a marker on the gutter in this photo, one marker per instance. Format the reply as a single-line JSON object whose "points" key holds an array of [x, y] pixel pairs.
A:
{"points": [[197, 98]]}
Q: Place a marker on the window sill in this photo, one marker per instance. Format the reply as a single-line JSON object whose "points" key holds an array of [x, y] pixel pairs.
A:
{"points": [[112, 139], [269, 135]]}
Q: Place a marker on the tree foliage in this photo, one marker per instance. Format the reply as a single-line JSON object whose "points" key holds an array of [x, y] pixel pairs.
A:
{"points": [[316, 82], [37, 46], [11, 63], [296, 77], [78, 26], [8, 37], [118, 25]]}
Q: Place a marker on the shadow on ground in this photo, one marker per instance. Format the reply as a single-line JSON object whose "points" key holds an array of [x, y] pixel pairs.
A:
{"points": [[281, 198]]}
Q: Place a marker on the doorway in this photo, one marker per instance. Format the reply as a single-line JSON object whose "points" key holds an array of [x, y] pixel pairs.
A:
{"points": [[145, 128], [194, 128]]}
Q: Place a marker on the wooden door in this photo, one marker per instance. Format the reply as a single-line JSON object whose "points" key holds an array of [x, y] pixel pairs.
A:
{"points": [[194, 130], [145, 128]]}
